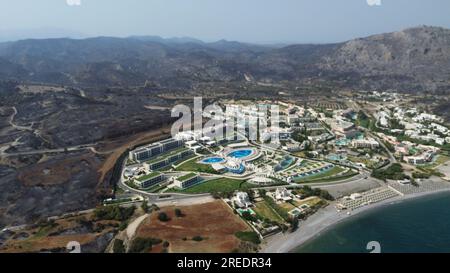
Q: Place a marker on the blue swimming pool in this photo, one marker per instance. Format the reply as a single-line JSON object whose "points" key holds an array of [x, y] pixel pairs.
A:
{"points": [[212, 160], [240, 153], [286, 162]]}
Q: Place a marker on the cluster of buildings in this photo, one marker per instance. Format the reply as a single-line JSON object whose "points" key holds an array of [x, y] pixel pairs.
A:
{"points": [[169, 158], [283, 199], [339, 125], [142, 177], [241, 203], [415, 154], [381, 96], [152, 150], [153, 157], [414, 124], [150, 179], [364, 143], [276, 133], [427, 136]]}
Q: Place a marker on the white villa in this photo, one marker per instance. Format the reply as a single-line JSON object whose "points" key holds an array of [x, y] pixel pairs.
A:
{"points": [[241, 200]]}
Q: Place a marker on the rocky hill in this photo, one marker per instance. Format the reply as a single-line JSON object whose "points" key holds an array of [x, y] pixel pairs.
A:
{"points": [[419, 55], [415, 59]]}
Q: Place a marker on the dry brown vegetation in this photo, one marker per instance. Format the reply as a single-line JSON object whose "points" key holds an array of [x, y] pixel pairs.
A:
{"points": [[54, 236], [119, 146], [214, 222]]}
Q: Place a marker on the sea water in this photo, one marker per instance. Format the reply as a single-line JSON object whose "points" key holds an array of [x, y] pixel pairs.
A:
{"points": [[415, 225]]}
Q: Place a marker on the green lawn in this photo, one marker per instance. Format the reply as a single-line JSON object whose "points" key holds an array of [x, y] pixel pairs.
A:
{"points": [[286, 206], [155, 188], [343, 176], [217, 185], [148, 176], [193, 166], [369, 164], [164, 156], [264, 211], [186, 176], [335, 170], [279, 210]]}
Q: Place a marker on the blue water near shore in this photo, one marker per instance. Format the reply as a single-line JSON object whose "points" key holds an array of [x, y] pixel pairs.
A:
{"points": [[416, 225]]}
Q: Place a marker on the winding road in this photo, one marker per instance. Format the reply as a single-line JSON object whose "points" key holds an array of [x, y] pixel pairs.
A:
{"points": [[29, 128]]}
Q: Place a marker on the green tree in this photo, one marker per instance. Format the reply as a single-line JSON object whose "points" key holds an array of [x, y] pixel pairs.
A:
{"points": [[145, 207], [178, 213], [118, 246], [197, 238], [248, 216], [140, 245], [114, 212], [163, 217]]}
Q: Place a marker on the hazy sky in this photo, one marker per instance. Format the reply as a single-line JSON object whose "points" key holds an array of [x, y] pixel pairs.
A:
{"points": [[303, 21]]}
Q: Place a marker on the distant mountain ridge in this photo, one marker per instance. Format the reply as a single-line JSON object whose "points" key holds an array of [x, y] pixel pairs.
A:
{"points": [[414, 59]]}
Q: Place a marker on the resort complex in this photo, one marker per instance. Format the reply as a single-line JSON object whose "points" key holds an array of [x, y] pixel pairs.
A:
{"points": [[348, 157]]}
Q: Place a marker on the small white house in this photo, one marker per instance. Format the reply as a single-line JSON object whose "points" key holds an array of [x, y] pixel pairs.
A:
{"points": [[241, 200], [282, 194]]}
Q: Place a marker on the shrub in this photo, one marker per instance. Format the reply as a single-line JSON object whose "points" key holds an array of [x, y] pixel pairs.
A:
{"points": [[114, 213], [118, 246], [163, 217], [197, 238], [145, 207], [420, 175], [123, 225], [249, 236], [394, 172], [248, 216], [140, 245], [178, 213]]}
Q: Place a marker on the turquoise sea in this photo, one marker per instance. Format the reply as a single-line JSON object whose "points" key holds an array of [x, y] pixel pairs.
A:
{"points": [[415, 225]]}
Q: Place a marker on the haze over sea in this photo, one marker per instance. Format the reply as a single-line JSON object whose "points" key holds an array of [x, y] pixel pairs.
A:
{"points": [[416, 225]]}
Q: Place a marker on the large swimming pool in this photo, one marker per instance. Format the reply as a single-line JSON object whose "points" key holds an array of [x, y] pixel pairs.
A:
{"points": [[240, 153], [212, 160]]}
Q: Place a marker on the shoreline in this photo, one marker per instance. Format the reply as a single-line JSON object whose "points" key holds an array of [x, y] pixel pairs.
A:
{"points": [[324, 220]]}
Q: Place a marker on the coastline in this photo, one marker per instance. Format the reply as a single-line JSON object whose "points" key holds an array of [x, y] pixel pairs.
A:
{"points": [[325, 219]]}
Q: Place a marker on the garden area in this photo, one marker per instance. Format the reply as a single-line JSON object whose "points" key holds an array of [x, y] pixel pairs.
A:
{"points": [[219, 185], [192, 165]]}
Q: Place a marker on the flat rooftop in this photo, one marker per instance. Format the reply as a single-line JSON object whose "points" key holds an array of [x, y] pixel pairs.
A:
{"points": [[164, 156], [148, 176], [186, 177]]}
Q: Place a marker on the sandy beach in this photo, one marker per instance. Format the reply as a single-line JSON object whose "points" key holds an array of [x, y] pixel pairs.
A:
{"points": [[323, 220]]}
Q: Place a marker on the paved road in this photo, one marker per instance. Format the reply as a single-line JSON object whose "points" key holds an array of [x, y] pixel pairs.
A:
{"points": [[49, 151]]}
